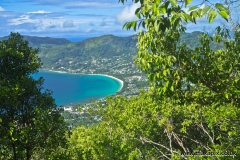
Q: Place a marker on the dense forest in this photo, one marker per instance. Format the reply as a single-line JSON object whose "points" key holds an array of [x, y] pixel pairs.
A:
{"points": [[191, 110]]}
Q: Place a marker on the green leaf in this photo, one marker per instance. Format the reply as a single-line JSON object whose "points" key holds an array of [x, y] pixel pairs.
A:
{"points": [[224, 15], [128, 26], [143, 24], [205, 10], [199, 11], [189, 18], [226, 95], [143, 62], [166, 22], [173, 2], [138, 15], [154, 7], [124, 26], [176, 23], [13, 139], [156, 25], [137, 10], [165, 72], [220, 7], [187, 2], [134, 23], [212, 15], [192, 8], [163, 10], [194, 14]]}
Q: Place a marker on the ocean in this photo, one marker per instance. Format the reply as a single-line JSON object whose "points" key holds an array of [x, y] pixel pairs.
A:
{"points": [[69, 89]]}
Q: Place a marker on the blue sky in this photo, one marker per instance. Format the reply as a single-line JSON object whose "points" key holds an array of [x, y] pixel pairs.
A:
{"points": [[62, 18]]}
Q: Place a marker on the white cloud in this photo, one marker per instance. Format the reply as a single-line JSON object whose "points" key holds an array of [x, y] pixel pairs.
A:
{"points": [[44, 21], [23, 19], [127, 14], [2, 9], [68, 24], [39, 12]]}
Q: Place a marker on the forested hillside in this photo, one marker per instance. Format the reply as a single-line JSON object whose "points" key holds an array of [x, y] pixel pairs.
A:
{"points": [[35, 41], [82, 54]]}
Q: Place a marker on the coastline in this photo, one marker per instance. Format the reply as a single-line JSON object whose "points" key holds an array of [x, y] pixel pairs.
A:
{"points": [[116, 79], [120, 82]]}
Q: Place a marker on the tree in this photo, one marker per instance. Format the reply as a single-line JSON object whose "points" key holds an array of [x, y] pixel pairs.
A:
{"points": [[192, 106], [30, 119]]}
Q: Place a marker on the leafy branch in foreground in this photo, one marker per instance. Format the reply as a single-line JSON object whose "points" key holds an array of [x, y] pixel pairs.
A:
{"points": [[31, 126], [192, 106]]}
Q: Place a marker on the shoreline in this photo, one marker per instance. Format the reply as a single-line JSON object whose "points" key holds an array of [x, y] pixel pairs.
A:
{"points": [[116, 79], [120, 82]]}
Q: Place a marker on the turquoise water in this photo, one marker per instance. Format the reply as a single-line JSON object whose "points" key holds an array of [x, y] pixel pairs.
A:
{"points": [[76, 88]]}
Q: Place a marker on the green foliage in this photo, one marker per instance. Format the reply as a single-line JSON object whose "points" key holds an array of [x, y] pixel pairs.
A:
{"points": [[30, 119], [160, 13], [193, 103], [118, 135]]}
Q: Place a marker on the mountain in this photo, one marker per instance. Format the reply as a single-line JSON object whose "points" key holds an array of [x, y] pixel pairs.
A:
{"points": [[88, 51], [104, 54], [35, 41], [38, 41], [192, 40]]}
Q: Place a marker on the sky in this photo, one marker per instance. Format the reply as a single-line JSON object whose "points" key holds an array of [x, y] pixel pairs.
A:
{"points": [[73, 18]]}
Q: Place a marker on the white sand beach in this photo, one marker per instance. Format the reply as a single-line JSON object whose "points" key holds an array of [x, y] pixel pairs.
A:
{"points": [[116, 79]]}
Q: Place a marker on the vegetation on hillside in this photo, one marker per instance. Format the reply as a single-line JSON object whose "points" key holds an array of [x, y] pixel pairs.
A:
{"points": [[192, 108]]}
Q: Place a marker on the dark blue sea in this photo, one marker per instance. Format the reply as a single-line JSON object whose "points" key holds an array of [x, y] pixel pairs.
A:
{"points": [[77, 88]]}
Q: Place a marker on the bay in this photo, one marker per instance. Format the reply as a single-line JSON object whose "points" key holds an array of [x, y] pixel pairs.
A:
{"points": [[78, 88]]}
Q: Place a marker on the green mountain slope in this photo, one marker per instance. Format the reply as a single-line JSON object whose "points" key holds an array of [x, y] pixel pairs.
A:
{"points": [[83, 56], [88, 52], [191, 39], [35, 41]]}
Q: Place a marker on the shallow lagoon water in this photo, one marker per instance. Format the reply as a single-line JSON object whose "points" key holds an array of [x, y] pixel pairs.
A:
{"points": [[78, 88]]}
